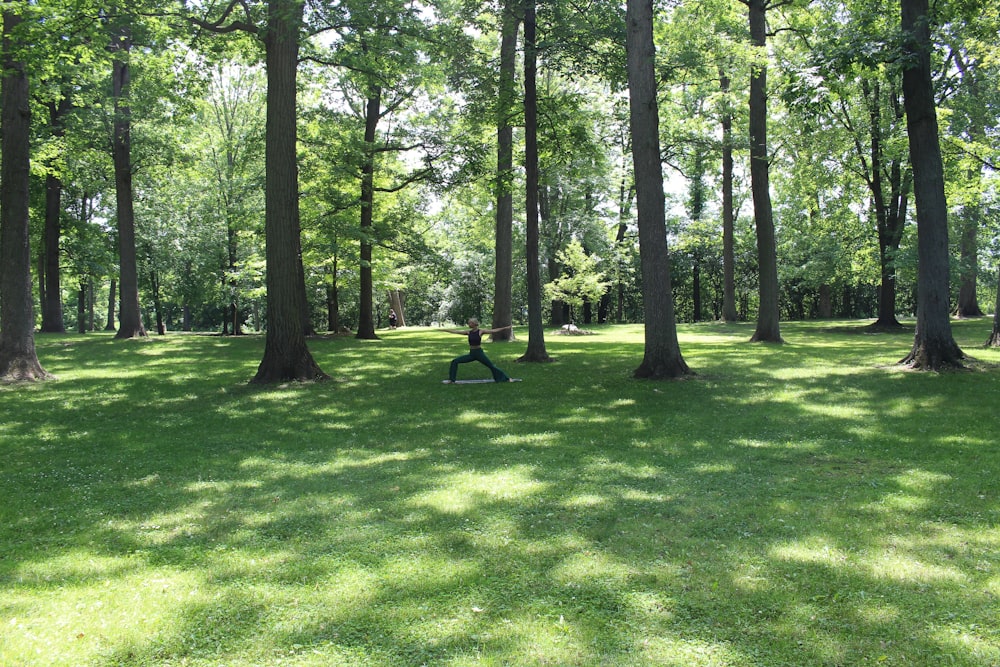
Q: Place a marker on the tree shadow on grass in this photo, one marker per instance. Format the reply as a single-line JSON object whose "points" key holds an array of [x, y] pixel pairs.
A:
{"points": [[576, 518]]}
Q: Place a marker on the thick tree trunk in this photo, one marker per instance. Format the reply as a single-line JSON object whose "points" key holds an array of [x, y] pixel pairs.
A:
{"points": [[366, 314], [536, 333], [768, 315], [18, 359], [729, 313], [286, 354], [662, 355], [934, 346], [504, 242], [130, 314]]}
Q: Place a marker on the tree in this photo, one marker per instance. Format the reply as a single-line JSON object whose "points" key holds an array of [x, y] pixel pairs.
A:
{"points": [[536, 335], [129, 316], [581, 281], [233, 132], [366, 315], [504, 272], [50, 290], [888, 179], [18, 359], [729, 313], [934, 347], [768, 315], [973, 49], [286, 353], [662, 357]]}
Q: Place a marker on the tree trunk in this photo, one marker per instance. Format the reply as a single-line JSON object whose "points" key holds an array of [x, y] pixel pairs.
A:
{"points": [[825, 301], [112, 305], [968, 300], [90, 303], [697, 211], [696, 286], [81, 308], [396, 302], [366, 314], [333, 300], [286, 354], [662, 357], [994, 339], [768, 315], [154, 281], [232, 282], [18, 359], [51, 300], [129, 315], [729, 313], [536, 334], [504, 273], [890, 211], [934, 346]]}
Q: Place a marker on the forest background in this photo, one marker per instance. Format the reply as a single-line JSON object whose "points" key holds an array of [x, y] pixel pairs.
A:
{"points": [[149, 133]]}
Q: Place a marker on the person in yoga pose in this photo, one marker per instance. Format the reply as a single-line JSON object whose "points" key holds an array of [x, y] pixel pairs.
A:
{"points": [[476, 353]]}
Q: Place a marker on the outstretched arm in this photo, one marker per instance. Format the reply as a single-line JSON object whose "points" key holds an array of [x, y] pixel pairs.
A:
{"points": [[498, 330], [460, 332]]}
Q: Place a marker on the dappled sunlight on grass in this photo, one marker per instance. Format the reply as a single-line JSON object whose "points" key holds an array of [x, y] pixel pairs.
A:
{"points": [[793, 504], [466, 492]]}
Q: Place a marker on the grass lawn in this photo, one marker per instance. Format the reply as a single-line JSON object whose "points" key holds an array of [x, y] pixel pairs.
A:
{"points": [[806, 504]]}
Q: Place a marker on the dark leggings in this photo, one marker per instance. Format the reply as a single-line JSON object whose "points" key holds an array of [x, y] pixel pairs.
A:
{"points": [[476, 354]]}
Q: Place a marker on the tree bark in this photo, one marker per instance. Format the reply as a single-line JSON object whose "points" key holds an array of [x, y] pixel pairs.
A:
{"points": [[662, 356], [18, 359], [366, 311], [130, 314], [768, 314], [504, 242], [536, 334], [286, 354], [934, 347]]}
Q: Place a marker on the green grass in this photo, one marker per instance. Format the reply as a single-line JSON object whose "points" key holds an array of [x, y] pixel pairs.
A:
{"points": [[804, 504]]}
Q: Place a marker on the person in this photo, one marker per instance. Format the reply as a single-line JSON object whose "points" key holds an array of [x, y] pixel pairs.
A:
{"points": [[392, 318], [476, 353]]}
